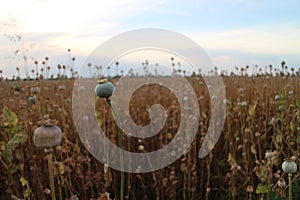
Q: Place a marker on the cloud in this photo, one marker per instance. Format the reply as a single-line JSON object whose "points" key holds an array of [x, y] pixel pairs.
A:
{"points": [[228, 32], [253, 45], [222, 58], [71, 16], [57, 25], [279, 40]]}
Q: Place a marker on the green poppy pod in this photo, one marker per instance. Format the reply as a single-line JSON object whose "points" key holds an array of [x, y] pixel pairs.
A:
{"points": [[289, 166], [17, 88], [32, 99], [104, 89]]}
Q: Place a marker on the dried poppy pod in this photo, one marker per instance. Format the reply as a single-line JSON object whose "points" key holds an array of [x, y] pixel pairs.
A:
{"points": [[35, 89], [47, 136], [104, 89], [281, 183], [289, 166], [249, 189], [61, 87]]}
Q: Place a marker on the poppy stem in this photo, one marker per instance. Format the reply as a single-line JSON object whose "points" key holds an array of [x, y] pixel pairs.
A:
{"points": [[290, 186], [50, 168], [121, 147]]}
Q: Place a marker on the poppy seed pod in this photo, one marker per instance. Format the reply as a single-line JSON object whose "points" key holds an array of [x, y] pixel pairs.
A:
{"points": [[35, 89], [281, 183], [61, 87], [17, 88], [32, 99], [104, 89], [289, 166], [270, 154], [277, 97], [141, 147], [47, 136], [249, 189]]}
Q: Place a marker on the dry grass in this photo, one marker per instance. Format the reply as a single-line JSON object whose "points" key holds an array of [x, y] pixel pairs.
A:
{"points": [[257, 121]]}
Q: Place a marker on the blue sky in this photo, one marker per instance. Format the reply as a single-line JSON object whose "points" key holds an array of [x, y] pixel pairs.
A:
{"points": [[232, 32]]}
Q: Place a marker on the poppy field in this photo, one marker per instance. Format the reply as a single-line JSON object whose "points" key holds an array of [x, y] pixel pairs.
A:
{"points": [[260, 133]]}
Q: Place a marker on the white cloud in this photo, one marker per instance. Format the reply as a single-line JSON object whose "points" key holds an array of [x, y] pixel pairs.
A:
{"points": [[71, 16], [280, 39], [55, 25], [84, 24]]}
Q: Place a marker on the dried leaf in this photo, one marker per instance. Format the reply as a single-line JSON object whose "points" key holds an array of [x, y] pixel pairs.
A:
{"points": [[253, 150], [203, 114], [252, 109], [61, 168], [100, 122]]}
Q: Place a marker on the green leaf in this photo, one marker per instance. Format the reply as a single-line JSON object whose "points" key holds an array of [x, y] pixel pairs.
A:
{"points": [[292, 126], [6, 124], [280, 118], [9, 191], [15, 129], [252, 109], [19, 167], [23, 181], [10, 122], [17, 139], [282, 108], [261, 189], [13, 118], [27, 192], [282, 99], [5, 111], [7, 155]]}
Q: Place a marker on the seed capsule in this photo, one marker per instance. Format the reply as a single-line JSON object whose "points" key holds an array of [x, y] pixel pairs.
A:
{"points": [[47, 136], [249, 189], [17, 88], [289, 166], [281, 183], [32, 99], [35, 90], [141, 147], [104, 89]]}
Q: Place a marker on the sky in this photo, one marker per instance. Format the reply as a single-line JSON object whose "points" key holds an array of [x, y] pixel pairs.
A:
{"points": [[231, 32]]}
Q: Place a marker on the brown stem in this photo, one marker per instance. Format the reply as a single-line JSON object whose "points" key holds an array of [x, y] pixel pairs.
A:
{"points": [[51, 175]]}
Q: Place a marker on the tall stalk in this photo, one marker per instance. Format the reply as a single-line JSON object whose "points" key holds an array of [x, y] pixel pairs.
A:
{"points": [[121, 147], [290, 186], [51, 175]]}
